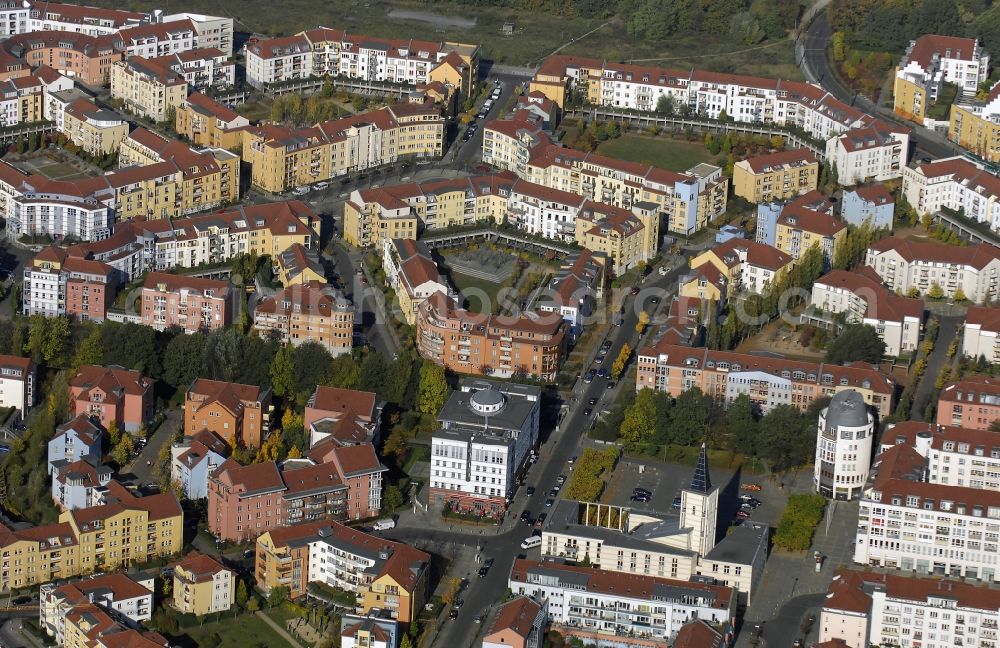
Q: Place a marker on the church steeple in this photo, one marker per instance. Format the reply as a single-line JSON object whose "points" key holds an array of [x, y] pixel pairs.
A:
{"points": [[701, 482]]}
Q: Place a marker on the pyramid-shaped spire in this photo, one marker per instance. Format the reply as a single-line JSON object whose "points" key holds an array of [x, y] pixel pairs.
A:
{"points": [[701, 482]]}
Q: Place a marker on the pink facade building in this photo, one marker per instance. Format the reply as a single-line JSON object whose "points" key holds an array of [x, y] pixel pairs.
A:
{"points": [[973, 402], [56, 283], [191, 303], [112, 395]]}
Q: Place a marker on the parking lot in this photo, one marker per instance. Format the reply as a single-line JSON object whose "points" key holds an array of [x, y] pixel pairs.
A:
{"points": [[665, 481]]}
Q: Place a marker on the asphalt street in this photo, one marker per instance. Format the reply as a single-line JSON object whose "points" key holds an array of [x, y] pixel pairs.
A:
{"points": [[816, 68], [141, 467]]}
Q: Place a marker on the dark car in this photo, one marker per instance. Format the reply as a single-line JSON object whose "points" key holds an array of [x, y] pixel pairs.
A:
{"points": [[483, 571], [554, 492], [589, 378], [22, 600], [525, 515], [453, 614], [611, 384], [599, 359], [638, 497], [541, 520], [604, 373], [588, 411], [641, 491], [634, 291], [530, 490], [549, 502], [561, 479], [593, 401], [677, 502]]}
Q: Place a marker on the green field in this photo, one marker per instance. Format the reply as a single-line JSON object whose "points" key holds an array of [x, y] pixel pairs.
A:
{"points": [[245, 631], [666, 153], [475, 303], [536, 35]]}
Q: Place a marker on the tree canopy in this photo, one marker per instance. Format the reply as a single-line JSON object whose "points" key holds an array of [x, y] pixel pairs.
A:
{"points": [[856, 342]]}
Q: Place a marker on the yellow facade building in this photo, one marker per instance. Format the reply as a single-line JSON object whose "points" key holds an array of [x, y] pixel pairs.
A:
{"points": [[124, 531], [776, 176], [975, 125], [798, 229], [909, 99], [206, 122], [96, 130], [202, 585], [283, 159], [167, 178], [147, 88]]}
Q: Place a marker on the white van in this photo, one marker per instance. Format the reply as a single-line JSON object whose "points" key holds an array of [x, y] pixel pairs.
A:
{"points": [[664, 269], [384, 525], [532, 542]]}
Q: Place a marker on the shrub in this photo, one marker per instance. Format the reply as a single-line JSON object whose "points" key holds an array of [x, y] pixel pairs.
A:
{"points": [[798, 522]]}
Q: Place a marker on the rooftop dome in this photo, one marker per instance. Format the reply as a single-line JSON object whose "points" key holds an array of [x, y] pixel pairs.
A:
{"points": [[846, 409], [487, 401]]}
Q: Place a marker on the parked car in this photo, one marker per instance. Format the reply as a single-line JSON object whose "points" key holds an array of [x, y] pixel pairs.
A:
{"points": [[299, 191], [321, 185], [549, 502], [677, 502], [589, 377], [541, 520], [525, 515], [634, 291], [478, 618], [603, 373], [638, 497], [453, 614], [554, 492], [530, 490], [599, 359], [611, 384], [754, 488], [641, 491], [572, 460], [742, 515], [592, 401], [588, 411], [561, 479]]}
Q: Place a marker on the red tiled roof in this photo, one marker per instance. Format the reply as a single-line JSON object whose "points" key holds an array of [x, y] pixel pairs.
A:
{"points": [[758, 254], [256, 477], [201, 567], [882, 303], [975, 256], [810, 221], [517, 615], [697, 634], [954, 47], [987, 319], [112, 381], [781, 160], [176, 283], [965, 172], [348, 401], [847, 591], [876, 194]]}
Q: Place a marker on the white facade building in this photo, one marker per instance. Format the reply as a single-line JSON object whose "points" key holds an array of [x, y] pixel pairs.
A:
{"points": [[867, 609], [870, 153], [956, 456], [861, 296], [596, 602], [957, 184], [981, 334], [845, 433], [932, 60], [58, 216], [903, 265], [132, 599], [488, 428], [211, 31], [17, 383]]}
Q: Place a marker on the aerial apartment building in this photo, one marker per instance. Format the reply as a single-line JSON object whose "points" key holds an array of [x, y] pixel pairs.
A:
{"points": [[337, 483], [862, 298], [844, 437], [768, 382], [147, 88], [202, 68], [112, 395], [56, 284], [871, 153], [385, 575], [956, 456], [207, 122], [957, 184], [286, 158], [84, 541], [532, 344], [910, 522], [488, 429], [864, 608], [981, 334], [238, 414], [688, 201], [931, 61], [647, 608], [776, 176], [115, 593], [412, 274], [325, 52], [193, 304], [975, 124], [311, 312], [746, 265], [906, 265], [743, 98], [17, 383], [23, 99], [971, 402], [202, 585]]}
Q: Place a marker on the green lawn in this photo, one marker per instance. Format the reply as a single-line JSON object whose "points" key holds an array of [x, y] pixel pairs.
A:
{"points": [[664, 152], [475, 302], [245, 631]]}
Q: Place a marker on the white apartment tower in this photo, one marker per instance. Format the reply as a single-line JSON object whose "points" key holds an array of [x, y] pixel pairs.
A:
{"points": [[844, 438]]}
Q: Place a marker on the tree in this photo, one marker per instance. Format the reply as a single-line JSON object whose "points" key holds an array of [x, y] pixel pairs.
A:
{"points": [[740, 425], [639, 424], [345, 372], [395, 446], [122, 452], [935, 291], [653, 20], [277, 595], [640, 326], [960, 295], [619, 364], [241, 593], [283, 372], [89, 350], [665, 105], [253, 604], [433, 388], [913, 292], [856, 342], [56, 340], [392, 499], [183, 359], [448, 597], [790, 439], [689, 417], [114, 434], [406, 642]]}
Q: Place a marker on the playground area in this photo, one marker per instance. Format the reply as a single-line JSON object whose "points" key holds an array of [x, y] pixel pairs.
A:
{"points": [[51, 163], [483, 263]]}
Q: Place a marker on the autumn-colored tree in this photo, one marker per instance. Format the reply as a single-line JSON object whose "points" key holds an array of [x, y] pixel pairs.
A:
{"points": [[640, 326]]}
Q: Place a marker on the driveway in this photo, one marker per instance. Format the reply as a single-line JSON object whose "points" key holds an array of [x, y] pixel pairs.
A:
{"points": [[142, 472]]}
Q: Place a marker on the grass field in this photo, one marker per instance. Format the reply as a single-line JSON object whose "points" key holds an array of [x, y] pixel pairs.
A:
{"points": [[245, 631], [50, 168], [666, 153], [465, 283], [536, 35]]}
